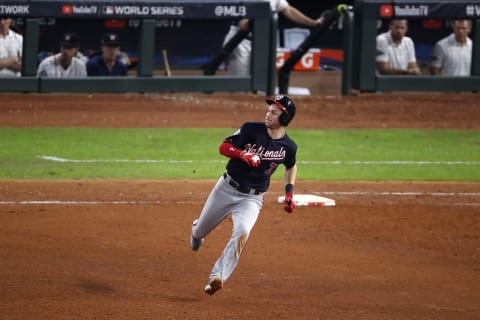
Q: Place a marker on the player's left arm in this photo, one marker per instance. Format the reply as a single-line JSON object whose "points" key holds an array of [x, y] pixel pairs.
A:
{"points": [[289, 177]]}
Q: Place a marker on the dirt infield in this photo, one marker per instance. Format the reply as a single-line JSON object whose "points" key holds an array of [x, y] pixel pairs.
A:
{"points": [[101, 249]]}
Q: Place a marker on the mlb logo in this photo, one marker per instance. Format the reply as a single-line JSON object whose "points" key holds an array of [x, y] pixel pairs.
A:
{"points": [[108, 10], [67, 9]]}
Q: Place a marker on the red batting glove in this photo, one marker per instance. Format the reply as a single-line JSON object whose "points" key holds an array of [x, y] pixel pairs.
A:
{"points": [[251, 159], [289, 204]]}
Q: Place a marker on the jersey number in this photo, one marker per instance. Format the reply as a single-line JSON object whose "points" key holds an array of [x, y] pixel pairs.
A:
{"points": [[272, 168]]}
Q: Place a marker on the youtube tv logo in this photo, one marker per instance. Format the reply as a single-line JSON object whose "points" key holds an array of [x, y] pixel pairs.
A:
{"points": [[67, 9], [386, 10]]}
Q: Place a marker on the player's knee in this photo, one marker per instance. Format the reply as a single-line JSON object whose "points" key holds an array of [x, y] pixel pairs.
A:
{"points": [[242, 241], [242, 232]]}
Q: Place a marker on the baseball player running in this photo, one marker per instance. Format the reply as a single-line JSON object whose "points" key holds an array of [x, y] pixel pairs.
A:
{"points": [[256, 150]]}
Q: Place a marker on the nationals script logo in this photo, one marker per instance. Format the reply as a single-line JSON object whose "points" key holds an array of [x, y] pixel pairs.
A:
{"points": [[266, 154]]}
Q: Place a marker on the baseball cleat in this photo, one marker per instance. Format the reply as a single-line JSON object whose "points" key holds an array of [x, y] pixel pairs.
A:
{"points": [[195, 243], [215, 284]]}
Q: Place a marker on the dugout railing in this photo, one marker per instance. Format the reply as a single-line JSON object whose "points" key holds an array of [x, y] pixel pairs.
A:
{"points": [[330, 16], [147, 11], [363, 74]]}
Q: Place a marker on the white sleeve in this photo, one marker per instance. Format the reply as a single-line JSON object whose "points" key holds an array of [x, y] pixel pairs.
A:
{"points": [[279, 5], [382, 47], [41, 72], [84, 70], [437, 56], [20, 44], [80, 68], [411, 51]]}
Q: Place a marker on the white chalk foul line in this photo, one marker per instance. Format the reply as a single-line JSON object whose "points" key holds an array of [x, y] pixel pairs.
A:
{"points": [[393, 162], [86, 203], [397, 193], [333, 162], [464, 195], [58, 159], [459, 196]]}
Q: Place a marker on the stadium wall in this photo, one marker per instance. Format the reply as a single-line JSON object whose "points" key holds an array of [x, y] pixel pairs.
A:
{"points": [[188, 47], [43, 22]]}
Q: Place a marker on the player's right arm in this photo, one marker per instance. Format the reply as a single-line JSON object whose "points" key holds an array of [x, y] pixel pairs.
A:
{"points": [[230, 151]]}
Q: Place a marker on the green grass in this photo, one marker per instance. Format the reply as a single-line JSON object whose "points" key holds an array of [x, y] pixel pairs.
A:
{"points": [[440, 155]]}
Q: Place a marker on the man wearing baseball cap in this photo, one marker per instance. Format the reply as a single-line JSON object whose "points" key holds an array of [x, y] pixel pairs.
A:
{"points": [[109, 63], [64, 64], [255, 151]]}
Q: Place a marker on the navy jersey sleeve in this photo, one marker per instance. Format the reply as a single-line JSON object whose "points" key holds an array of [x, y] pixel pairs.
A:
{"points": [[291, 158], [120, 69], [242, 136], [92, 67]]}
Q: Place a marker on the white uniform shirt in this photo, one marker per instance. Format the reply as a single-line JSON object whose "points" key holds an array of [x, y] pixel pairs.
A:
{"points": [[238, 63], [10, 46], [454, 59], [397, 56], [51, 67]]}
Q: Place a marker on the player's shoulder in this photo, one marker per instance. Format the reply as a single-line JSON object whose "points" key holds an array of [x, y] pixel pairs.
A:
{"points": [[383, 38], [290, 140], [287, 136], [407, 40], [78, 61], [469, 42], [46, 66], [95, 59], [50, 60], [120, 66], [408, 43], [15, 35], [252, 126], [447, 41]]}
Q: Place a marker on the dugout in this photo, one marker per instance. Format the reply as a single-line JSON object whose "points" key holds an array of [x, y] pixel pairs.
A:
{"points": [[367, 13], [34, 12]]}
